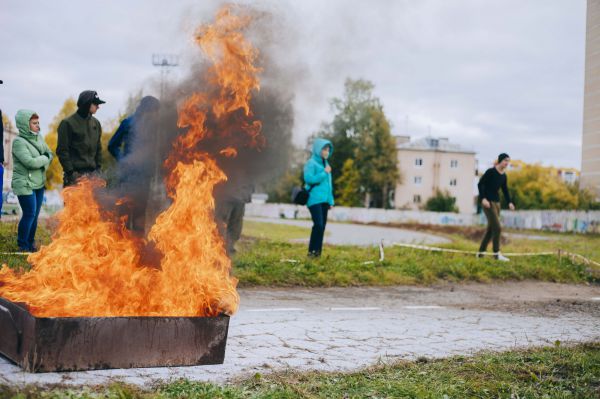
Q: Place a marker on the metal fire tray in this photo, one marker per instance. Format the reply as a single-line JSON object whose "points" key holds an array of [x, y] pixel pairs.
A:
{"points": [[42, 344]]}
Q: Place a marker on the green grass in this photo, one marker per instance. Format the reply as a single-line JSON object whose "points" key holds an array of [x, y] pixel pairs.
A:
{"points": [[552, 372], [272, 261], [267, 263], [274, 232]]}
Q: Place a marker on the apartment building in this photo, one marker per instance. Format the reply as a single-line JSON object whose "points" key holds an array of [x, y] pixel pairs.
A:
{"points": [[590, 146], [432, 164]]}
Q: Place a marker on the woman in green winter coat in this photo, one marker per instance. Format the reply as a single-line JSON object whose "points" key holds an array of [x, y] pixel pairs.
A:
{"points": [[31, 158]]}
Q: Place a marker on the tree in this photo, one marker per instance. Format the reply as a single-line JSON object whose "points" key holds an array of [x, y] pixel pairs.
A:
{"points": [[360, 131], [377, 158], [54, 175], [442, 201], [7, 123], [349, 186], [533, 186], [281, 190]]}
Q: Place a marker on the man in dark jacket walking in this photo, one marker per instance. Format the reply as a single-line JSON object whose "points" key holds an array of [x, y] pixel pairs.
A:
{"points": [[79, 148], [489, 184]]}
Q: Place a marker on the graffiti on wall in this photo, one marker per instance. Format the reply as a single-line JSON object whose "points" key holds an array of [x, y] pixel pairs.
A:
{"points": [[559, 221]]}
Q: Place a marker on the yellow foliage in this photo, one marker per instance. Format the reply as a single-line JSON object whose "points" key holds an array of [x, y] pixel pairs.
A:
{"points": [[534, 186]]}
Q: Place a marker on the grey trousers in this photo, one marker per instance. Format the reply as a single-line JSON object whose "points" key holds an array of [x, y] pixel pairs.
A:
{"points": [[230, 220]]}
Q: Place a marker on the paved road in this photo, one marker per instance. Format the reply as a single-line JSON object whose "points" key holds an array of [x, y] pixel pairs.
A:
{"points": [[360, 234], [349, 328]]}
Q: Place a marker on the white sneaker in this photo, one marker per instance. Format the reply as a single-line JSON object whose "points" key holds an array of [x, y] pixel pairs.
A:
{"points": [[501, 257]]}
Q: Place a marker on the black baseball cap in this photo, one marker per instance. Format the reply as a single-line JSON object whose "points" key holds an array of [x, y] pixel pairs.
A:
{"points": [[96, 99], [89, 97]]}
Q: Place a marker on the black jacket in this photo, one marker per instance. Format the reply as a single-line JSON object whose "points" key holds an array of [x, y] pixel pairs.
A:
{"points": [[79, 146], [490, 183]]}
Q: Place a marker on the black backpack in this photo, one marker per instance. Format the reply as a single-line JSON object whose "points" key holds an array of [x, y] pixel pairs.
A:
{"points": [[300, 195]]}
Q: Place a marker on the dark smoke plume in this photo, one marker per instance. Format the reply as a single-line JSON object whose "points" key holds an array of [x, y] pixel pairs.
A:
{"points": [[139, 176]]}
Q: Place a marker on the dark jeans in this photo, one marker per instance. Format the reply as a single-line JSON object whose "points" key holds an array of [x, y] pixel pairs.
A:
{"points": [[1, 187], [31, 205], [493, 229], [318, 213]]}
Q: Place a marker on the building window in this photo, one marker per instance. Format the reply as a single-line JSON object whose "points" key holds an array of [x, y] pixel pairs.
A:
{"points": [[418, 179], [419, 162], [454, 163], [453, 182], [416, 199]]}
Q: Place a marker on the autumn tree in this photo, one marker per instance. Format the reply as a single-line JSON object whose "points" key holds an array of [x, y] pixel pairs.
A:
{"points": [[533, 186], [349, 185]]}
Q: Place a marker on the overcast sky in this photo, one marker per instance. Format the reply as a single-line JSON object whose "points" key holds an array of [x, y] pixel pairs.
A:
{"points": [[494, 75]]}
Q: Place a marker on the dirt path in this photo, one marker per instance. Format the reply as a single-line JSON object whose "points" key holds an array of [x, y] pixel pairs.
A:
{"points": [[348, 328]]}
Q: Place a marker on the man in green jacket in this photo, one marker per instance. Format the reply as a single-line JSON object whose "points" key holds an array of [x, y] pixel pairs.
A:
{"points": [[31, 158], [79, 146]]}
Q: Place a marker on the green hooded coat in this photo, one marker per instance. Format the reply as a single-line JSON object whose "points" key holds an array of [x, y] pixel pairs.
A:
{"points": [[31, 157]]}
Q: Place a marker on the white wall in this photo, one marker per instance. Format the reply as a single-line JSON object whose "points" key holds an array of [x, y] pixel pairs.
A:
{"points": [[562, 221]]}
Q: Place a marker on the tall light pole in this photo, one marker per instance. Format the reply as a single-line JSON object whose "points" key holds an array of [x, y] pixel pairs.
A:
{"points": [[165, 62], [157, 200]]}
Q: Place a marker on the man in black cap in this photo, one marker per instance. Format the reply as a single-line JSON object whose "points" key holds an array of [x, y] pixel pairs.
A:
{"points": [[492, 180], [79, 146]]}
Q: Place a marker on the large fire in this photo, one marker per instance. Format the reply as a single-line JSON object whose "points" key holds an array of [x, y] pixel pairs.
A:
{"points": [[94, 267]]}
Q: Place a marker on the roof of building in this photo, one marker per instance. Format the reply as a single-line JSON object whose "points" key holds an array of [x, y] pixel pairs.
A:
{"points": [[434, 144]]}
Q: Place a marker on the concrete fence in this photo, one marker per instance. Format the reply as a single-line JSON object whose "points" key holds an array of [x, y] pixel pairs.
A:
{"points": [[562, 221]]}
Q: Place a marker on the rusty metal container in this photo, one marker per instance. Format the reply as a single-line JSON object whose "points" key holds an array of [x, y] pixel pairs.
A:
{"points": [[42, 344]]}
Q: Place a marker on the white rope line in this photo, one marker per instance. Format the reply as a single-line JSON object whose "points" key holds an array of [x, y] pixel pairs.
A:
{"points": [[462, 251], [16, 253], [558, 252], [581, 257]]}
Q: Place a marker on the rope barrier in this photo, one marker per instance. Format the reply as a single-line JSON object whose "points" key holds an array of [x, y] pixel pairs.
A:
{"points": [[462, 251], [16, 253], [558, 253]]}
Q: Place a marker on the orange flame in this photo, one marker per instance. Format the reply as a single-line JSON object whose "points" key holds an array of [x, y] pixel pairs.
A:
{"points": [[94, 266], [228, 152]]}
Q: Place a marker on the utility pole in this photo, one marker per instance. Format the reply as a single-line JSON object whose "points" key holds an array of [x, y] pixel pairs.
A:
{"points": [[158, 200], [165, 62]]}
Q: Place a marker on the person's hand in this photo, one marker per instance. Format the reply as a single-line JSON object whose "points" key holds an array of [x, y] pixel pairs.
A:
{"points": [[511, 206], [485, 203], [328, 169]]}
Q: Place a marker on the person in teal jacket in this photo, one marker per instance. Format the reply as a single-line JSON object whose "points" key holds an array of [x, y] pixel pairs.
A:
{"points": [[31, 158], [317, 176]]}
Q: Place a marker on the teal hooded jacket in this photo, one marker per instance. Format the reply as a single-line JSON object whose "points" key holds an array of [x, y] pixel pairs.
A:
{"points": [[315, 175], [31, 157]]}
